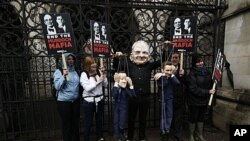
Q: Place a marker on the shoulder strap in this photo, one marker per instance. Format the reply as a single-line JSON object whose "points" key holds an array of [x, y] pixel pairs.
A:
{"points": [[98, 73], [86, 73]]}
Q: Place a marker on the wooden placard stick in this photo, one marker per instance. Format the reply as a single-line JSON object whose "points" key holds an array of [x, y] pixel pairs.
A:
{"points": [[181, 61], [64, 61], [101, 63], [212, 95]]}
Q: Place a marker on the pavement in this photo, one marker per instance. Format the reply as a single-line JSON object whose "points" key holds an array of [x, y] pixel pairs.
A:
{"points": [[153, 134]]}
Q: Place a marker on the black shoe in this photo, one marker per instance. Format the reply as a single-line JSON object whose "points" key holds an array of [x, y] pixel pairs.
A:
{"points": [[164, 132], [163, 138], [178, 138], [124, 136], [101, 139]]}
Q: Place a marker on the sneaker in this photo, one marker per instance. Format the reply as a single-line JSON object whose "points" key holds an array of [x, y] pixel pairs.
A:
{"points": [[101, 139]]}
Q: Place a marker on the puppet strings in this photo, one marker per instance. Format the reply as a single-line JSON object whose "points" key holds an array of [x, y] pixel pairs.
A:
{"points": [[163, 109], [125, 65]]}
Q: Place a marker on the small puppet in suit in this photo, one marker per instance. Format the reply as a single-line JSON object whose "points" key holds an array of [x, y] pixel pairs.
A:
{"points": [[122, 90]]}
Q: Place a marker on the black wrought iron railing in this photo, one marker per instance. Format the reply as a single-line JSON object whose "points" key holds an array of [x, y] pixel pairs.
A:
{"points": [[27, 109]]}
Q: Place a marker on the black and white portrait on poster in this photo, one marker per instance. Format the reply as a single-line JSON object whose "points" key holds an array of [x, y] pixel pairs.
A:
{"points": [[100, 39], [58, 33], [183, 33]]}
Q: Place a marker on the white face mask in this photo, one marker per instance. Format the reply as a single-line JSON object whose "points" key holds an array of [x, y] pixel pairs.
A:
{"points": [[140, 54]]}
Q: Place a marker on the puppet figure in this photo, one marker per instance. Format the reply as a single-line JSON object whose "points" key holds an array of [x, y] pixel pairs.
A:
{"points": [[121, 92], [166, 85], [140, 70]]}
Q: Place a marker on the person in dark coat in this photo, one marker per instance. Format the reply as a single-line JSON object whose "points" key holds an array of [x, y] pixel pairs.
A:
{"points": [[187, 26], [140, 70], [166, 84], [103, 32], [61, 25], [179, 102], [200, 83], [121, 93]]}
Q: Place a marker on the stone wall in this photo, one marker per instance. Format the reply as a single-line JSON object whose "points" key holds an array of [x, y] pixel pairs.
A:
{"points": [[237, 44], [232, 106]]}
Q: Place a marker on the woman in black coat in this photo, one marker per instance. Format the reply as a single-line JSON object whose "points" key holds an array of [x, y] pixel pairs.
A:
{"points": [[200, 84]]}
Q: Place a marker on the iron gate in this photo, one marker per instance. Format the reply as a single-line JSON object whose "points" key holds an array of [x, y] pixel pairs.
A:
{"points": [[27, 109]]}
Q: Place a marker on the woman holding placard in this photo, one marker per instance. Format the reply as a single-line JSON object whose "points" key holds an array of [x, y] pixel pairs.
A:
{"points": [[200, 83], [66, 83]]}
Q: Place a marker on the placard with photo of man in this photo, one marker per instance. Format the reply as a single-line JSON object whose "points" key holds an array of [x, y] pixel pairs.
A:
{"points": [[58, 33], [100, 39], [183, 33]]}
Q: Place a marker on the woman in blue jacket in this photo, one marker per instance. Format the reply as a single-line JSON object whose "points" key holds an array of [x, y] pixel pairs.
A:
{"points": [[68, 101]]}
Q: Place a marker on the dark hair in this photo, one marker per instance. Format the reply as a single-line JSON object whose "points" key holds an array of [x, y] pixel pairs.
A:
{"points": [[73, 56], [196, 58], [166, 63]]}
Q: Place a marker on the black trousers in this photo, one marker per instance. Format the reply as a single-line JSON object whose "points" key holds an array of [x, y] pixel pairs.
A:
{"points": [[70, 116], [177, 122], [139, 104], [197, 113]]}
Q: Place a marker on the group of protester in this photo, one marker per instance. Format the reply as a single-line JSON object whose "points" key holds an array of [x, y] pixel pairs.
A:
{"points": [[131, 92]]}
